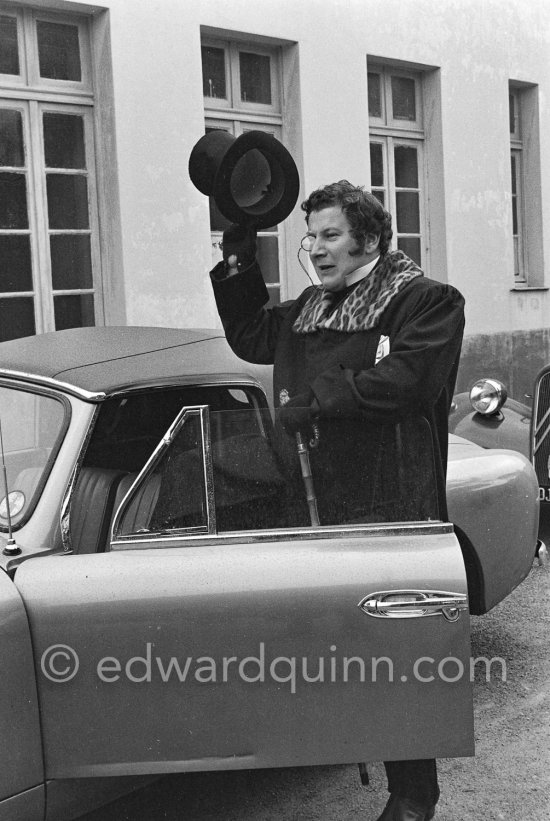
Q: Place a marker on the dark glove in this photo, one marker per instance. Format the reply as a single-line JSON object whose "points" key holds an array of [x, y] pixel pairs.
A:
{"points": [[299, 413], [239, 241]]}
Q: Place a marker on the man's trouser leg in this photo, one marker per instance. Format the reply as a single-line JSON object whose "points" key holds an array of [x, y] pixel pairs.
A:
{"points": [[415, 780]]}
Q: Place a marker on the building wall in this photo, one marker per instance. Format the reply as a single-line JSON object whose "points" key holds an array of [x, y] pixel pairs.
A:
{"points": [[471, 48]]}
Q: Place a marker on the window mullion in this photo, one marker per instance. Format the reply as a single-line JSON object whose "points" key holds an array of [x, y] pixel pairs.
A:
{"points": [[94, 218], [31, 55], [37, 173], [392, 201], [234, 81], [388, 105]]}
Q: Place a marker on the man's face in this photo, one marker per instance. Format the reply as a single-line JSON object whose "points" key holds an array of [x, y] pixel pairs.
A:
{"points": [[335, 253]]}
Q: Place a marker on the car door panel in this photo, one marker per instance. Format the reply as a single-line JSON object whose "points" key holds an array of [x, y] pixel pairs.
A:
{"points": [[267, 606], [21, 768]]}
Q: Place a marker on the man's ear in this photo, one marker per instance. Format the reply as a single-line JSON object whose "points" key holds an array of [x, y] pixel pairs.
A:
{"points": [[371, 243]]}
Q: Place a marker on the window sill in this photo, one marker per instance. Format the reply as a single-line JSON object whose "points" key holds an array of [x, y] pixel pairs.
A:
{"points": [[529, 288]]}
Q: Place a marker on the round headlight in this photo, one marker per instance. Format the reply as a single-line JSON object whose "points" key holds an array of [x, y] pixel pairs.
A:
{"points": [[487, 396]]}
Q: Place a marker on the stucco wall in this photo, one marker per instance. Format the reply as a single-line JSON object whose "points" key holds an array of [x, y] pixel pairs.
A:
{"points": [[513, 357], [474, 47]]}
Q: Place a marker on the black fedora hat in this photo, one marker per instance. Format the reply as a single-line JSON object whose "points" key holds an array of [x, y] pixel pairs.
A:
{"points": [[252, 178]]}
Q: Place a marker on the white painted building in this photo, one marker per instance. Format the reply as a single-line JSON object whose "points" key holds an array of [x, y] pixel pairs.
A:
{"points": [[441, 106]]}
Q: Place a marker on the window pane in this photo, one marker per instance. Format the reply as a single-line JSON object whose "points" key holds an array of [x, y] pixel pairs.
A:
{"points": [[517, 271], [15, 263], [407, 212], [67, 201], [411, 247], [376, 164], [9, 57], [255, 78], [71, 261], [268, 258], [181, 476], [16, 318], [514, 172], [11, 138], [58, 51], [380, 196], [515, 215], [74, 311], [13, 201], [403, 98], [248, 487], [64, 141], [213, 73], [406, 167], [512, 113], [375, 95]]}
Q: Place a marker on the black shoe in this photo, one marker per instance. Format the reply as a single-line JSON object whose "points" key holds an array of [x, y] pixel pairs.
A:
{"points": [[402, 809]]}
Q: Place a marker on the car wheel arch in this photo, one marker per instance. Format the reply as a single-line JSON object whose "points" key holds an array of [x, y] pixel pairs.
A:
{"points": [[474, 574]]}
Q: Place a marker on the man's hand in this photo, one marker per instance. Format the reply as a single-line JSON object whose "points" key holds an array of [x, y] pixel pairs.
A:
{"points": [[299, 413], [239, 247]]}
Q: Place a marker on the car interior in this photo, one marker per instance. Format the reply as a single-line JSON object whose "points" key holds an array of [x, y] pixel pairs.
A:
{"points": [[126, 432]]}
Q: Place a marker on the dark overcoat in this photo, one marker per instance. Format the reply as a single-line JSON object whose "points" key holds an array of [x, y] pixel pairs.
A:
{"points": [[383, 445]]}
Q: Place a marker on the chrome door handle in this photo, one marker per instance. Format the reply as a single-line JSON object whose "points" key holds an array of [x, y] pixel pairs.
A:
{"points": [[410, 604]]}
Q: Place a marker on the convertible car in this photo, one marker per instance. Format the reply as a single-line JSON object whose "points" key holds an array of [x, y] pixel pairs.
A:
{"points": [[168, 607]]}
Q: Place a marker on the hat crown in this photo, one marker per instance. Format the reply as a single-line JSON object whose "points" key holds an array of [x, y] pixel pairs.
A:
{"points": [[252, 178]]}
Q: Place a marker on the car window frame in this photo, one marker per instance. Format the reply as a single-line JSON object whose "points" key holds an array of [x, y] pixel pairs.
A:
{"points": [[28, 387], [202, 411], [209, 535]]}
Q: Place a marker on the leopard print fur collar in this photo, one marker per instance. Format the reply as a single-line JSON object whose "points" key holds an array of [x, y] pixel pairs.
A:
{"points": [[365, 304]]}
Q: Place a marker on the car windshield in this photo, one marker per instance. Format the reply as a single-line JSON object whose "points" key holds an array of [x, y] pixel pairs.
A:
{"points": [[32, 425]]}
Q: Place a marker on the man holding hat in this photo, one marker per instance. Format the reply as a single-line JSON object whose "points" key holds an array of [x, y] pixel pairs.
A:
{"points": [[369, 357]]}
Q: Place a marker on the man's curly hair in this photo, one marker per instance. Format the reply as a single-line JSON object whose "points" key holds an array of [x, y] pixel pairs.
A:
{"points": [[364, 212]]}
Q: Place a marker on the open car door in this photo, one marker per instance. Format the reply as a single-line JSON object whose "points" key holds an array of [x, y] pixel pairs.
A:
{"points": [[216, 634]]}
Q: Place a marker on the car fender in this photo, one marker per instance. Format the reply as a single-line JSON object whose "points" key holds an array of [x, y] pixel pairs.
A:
{"points": [[498, 536], [508, 429], [22, 791]]}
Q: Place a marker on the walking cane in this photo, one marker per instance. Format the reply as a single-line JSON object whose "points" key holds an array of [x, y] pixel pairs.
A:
{"points": [[303, 455]]}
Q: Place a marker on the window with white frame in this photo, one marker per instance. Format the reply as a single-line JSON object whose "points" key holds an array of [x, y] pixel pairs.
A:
{"points": [[397, 153], [516, 163], [242, 92], [49, 252]]}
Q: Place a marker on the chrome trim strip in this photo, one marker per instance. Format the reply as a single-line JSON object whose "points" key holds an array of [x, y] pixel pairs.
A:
{"points": [[537, 431], [235, 381], [244, 761], [203, 380], [65, 513], [191, 410], [48, 382], [187, 539], [208, 469]]}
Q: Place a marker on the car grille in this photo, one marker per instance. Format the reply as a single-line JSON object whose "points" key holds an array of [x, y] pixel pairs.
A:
{"points": [[541, 434]]}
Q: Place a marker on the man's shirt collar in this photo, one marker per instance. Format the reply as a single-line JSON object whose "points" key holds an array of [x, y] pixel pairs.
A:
{"points": [[361, 273]]}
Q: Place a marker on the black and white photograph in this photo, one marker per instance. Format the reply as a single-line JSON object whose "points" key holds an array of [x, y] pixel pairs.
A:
{"points": [[275, 410]]}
